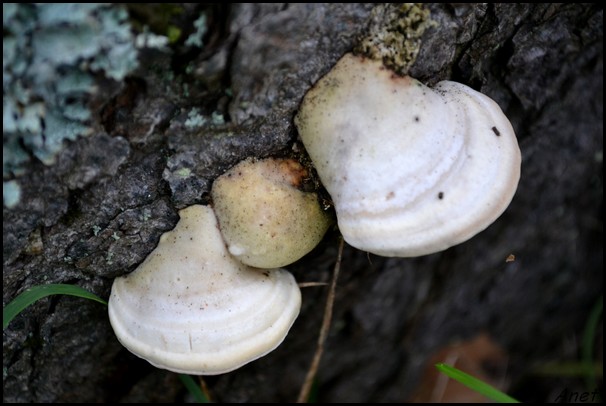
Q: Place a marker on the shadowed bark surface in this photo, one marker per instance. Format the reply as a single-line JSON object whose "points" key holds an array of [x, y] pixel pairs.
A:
{"points": [[101, 209]]}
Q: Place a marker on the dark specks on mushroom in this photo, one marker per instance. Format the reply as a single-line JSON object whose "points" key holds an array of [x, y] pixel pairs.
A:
{"points": [[456, 124]]}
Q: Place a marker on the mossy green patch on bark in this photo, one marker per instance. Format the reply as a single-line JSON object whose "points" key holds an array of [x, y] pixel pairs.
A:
{"points": [[394, 34]]}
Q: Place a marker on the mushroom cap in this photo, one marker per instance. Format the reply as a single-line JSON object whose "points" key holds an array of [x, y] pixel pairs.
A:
{"points": [[265, 220], [191, 308], [411, 170]]}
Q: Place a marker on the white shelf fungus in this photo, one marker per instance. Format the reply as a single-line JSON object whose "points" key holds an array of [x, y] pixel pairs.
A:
{"points": [[266, 221], [191, 308], [411, 170]]}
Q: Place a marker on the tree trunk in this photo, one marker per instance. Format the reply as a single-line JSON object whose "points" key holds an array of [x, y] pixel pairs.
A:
{"points": [[102, 207]]}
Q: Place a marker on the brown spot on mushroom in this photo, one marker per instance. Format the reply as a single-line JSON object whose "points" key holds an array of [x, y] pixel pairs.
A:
{"points": [[496, 131], [390, 195], [441, 195]]}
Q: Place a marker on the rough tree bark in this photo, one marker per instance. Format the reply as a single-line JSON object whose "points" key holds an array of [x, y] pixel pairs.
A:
{"points": [[101, 209]]}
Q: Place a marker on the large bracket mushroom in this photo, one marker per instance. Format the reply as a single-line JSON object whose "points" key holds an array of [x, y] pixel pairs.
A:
{"points": [[411, 170], [192, 308]]}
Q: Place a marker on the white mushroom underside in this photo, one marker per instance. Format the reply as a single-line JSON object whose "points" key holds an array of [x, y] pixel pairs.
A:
{"points": [[411, 170], [191, 308]]}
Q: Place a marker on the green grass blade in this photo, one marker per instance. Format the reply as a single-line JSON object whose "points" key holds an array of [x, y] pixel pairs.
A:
{"points": [[475, 384], [193, 388], [588, 341], [573, 369], [31, 295]]}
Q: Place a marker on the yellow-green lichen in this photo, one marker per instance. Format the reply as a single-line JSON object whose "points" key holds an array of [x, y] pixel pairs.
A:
{"points": [[184, 173], [394, 34]]}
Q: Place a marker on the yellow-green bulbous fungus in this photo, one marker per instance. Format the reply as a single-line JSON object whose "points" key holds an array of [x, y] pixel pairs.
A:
{"points": [[265, 219]]}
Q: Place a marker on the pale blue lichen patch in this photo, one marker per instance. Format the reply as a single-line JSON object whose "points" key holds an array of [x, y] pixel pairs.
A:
{"points": [[146, 215], [11, 193], [109, 258], [71, 13], [148, 39], [195, 119], [195, 39], [217, 118], [119, 56], [50, 52]]}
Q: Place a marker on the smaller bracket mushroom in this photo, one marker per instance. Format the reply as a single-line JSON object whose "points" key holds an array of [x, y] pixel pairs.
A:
{"points": [[192, 308], [411, 170], [265, 219]]}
